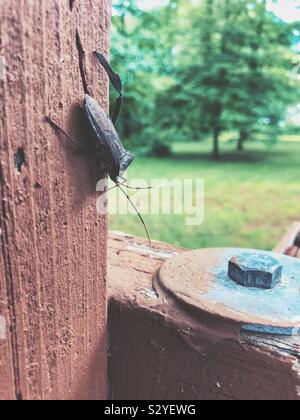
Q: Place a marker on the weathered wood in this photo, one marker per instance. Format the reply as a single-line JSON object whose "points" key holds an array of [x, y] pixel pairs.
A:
{"points": [[287, 244], [53, 243], [7, 385], [163, 348]]}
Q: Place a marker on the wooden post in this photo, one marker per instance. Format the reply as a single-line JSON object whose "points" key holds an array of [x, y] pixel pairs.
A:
{"points": [[53, 243]]}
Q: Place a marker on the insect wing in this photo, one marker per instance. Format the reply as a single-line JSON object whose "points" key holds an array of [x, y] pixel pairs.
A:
{"points": [[106, 133]]}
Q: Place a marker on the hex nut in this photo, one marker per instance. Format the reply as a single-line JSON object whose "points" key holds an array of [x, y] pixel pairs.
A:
{"points": [[255, 270]]}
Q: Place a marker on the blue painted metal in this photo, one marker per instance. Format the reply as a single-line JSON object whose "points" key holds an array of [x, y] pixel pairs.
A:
{"points": [[280, 305], [269, 329], [250, 269]]}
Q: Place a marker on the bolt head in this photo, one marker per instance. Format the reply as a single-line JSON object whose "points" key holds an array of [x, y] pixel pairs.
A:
{"points": [[255, 270]]}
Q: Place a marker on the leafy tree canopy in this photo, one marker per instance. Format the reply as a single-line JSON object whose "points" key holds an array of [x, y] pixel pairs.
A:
{"points": [[197, 67]]}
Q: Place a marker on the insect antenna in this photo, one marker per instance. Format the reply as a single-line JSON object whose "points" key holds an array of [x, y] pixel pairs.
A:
{"points": [[58, 128], [137, 212], [71, 140]]}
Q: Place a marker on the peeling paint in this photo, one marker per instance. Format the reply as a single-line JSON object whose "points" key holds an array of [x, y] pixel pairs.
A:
{"points": [[150, 252], [2, 328], [2, 68], [269, 329], [150, 293]]}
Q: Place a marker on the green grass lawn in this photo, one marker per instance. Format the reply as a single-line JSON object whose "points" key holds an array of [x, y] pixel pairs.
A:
{"points": [[250, 197]]}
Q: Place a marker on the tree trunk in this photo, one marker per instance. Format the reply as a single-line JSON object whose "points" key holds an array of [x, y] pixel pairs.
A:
{"points": [[242, 138], [126, 124], [216, 149], [53, 243], [209, 29]]}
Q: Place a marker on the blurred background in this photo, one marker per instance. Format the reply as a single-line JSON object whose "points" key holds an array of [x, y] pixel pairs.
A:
{"points": [[212, 91]]}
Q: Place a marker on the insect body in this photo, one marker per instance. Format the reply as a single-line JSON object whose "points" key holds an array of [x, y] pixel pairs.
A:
{"points": [[106, 144]]}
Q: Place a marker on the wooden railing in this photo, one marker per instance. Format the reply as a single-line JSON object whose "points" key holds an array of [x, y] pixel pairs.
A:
{"points": [[290, 242]]}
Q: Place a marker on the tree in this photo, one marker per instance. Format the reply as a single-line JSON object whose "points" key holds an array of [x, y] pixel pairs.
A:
{"points": [[141, 51], [265, 87], [233, 70], [193, 68]]}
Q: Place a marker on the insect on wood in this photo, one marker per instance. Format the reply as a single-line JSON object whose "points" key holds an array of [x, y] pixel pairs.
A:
{"points": [[105, 144]]}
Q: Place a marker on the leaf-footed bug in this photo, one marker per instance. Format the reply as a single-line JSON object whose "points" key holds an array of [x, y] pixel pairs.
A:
{"points": [[105, 142]]}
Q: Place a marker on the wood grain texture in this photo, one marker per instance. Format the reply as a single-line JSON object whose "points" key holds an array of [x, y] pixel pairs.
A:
{"points": [[53, 243], [7, 385]]}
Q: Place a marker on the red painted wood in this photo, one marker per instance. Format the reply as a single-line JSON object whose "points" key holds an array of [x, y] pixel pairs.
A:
{"points": [[7, 386], [289, 243], [53, 243], [168, 345]]}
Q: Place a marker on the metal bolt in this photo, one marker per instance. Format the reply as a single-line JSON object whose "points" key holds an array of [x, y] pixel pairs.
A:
{"points": [[255, 270]]}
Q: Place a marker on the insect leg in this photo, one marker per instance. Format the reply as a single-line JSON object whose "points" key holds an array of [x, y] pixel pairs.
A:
{"points": [[137, 212], [73, 142], [117, 109], [82, 68], [129, 188], [112, 188], [135, 188], [116, 82], [114, 77], [125, 184]]}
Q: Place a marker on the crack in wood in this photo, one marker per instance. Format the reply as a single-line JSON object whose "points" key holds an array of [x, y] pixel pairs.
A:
{"points": [[10, 287], [284, 345]]}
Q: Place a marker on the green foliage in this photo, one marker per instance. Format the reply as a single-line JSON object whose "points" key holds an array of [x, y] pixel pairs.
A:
{"points": [[142, 62], [196, 67]]}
